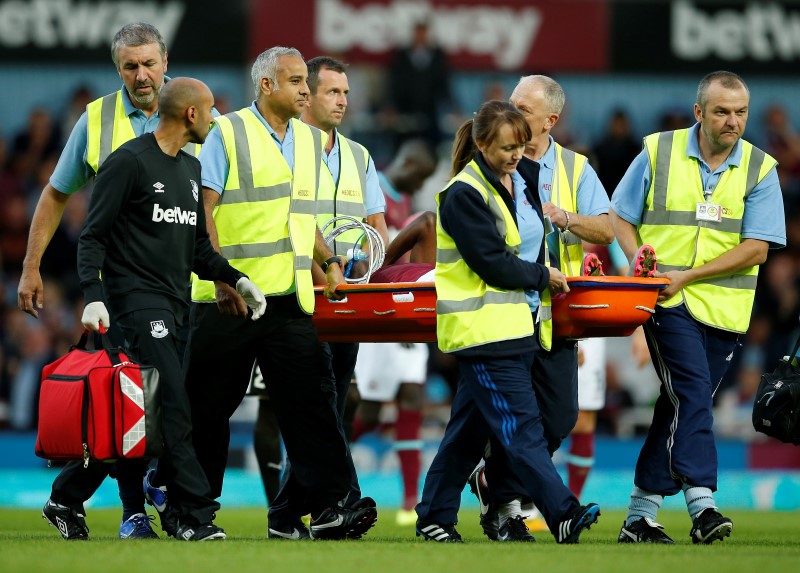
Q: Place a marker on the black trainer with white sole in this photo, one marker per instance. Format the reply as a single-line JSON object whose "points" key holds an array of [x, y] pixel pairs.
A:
{"points": [[490, 519], [514, 529], [296, 531], [709, 526], [643, 530], [199, 532], [343, 523], [438, 533], [70, 524]]}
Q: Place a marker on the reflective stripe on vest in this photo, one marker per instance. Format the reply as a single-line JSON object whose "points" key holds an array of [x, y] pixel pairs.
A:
{"points": [[569, 166], [108, 127], [670, 224], [470, 312], [265, 218], [347, 196]]}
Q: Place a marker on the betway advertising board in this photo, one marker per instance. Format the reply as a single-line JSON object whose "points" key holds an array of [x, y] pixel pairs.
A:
{"points": [[74, 31], [757, 36], [503, 35], [551, 36]]}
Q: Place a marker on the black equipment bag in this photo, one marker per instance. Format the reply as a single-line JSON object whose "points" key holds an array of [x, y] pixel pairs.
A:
{"points": [[776, 411]]}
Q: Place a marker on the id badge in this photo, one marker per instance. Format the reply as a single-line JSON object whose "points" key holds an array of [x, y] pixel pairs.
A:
{"points": [[708, 212]]}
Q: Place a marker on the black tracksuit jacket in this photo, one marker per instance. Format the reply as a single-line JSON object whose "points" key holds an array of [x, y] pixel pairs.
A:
{"points": [[146, 231]]}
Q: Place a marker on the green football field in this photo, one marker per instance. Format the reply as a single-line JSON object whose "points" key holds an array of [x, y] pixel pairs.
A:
{"points": [[761, 542]]}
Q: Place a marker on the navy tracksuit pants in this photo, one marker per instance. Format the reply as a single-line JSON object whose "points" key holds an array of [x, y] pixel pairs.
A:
{"points": [[690, 358], [494, 398], [555, 382]]}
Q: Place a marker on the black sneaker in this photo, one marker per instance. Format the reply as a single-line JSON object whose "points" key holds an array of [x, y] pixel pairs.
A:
{"points": [[70, 523], [295, 531], [490, 520], [709, 526], [514, 529], [343, 523], [364, 502], [439, 533], [569, 529], [192, 531], [643, 530], [490, 523]]}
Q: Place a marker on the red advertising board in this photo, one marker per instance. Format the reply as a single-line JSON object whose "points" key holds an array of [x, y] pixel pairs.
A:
{"points": [[506, 35]]}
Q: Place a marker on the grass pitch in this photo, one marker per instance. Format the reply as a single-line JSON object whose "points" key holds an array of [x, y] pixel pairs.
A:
{"points": [[762, 542]]}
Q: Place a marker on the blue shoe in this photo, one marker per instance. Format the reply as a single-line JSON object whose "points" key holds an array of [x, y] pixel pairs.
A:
{"points": [[570, 528], [157, 497], [137, 526]]}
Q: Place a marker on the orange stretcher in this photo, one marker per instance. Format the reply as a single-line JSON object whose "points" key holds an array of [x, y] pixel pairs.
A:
{"points": [[596, 307], [378, 312], [406, 312]]}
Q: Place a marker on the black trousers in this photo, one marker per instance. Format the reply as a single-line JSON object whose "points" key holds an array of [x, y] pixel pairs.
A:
{"points": [[188, 488], [555, 382], [75, 484], [342, 359], [219, 357]]}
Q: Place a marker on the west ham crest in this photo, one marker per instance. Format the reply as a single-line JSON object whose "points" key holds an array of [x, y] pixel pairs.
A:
{"points": [[157, 329]]}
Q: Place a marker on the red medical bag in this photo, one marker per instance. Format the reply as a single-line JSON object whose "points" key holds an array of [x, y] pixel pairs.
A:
{"points": [[98, 405]]}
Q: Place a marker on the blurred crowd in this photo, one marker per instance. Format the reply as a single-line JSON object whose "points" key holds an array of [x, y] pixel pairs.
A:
{"points": [[27, 160]]}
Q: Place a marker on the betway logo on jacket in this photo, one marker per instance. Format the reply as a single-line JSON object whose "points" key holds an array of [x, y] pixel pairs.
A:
{"points": [[174, 215]]}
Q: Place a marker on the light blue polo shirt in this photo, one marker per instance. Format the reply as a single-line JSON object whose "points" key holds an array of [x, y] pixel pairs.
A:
{"points": [[531, 231], [214, 159], [591, 196], [72, 171], [374, 200], [763, 209]]}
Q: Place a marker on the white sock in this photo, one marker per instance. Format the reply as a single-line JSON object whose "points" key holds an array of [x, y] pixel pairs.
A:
{"points": [[511, 509]]}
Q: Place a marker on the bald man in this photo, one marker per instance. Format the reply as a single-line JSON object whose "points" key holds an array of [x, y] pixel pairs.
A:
{"points": [[145, 233]]}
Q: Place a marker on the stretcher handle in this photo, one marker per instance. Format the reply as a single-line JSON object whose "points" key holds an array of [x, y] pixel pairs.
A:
{"points": [[589, 306]]}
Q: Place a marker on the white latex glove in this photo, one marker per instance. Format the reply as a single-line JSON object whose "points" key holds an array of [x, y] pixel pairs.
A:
{"points": [[95, 314], [253, 296]]}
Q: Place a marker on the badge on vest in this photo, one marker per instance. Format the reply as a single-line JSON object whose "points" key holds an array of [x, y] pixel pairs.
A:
{"points": [[708, 212]]}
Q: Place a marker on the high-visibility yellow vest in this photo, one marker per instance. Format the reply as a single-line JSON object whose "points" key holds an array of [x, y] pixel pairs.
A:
{"points": [[566, 175], [108, 127], [470, 312], [346, 196], [669, 223], [265, 217]]}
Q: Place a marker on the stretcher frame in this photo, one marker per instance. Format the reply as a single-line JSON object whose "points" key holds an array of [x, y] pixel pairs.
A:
{"points": [[406, 312]]}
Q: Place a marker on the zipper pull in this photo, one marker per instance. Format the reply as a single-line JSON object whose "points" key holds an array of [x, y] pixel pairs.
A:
{"points": [[85, 455]]}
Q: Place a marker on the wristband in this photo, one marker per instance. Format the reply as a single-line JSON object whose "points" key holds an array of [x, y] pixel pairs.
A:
{"points": [[566, 227], [329, 262]]}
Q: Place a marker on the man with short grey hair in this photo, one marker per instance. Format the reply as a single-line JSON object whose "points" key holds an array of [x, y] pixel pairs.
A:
{"points": [[261, 209]]}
